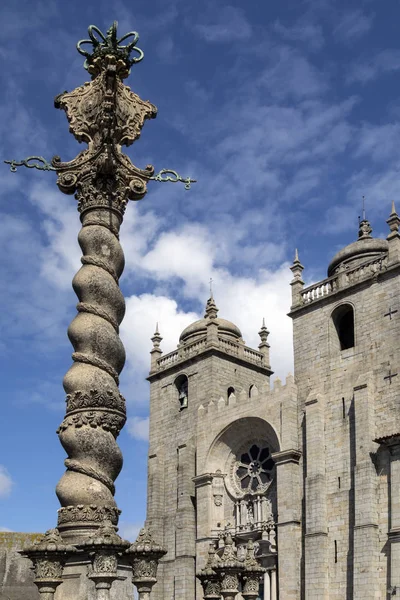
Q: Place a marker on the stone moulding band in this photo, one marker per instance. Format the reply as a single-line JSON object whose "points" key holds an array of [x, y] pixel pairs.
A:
{"points": [[86, 513], [107, 420], [107, 399]]}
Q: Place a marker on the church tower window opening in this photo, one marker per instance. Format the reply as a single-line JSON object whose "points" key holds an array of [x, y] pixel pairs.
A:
{"points": [[182, 387], [230, 392], [343, 319]]}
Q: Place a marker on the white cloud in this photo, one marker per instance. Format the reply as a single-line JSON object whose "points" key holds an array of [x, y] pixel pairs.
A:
{"points": [[6, 482], [227, 24], [365, 71], [353, 25], [378, 142], [302, 31], [5, 529], [138, 428]]}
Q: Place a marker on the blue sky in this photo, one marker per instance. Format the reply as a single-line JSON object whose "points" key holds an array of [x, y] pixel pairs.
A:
{"points": [[286, 113]]}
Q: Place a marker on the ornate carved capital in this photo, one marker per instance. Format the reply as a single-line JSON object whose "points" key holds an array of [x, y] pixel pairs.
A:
{"points": [[106, 115], [48, 556], [145, 554]]}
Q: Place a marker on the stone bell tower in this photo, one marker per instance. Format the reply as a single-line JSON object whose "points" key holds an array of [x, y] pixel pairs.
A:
{"points": [[347, 370], [211, 370]]}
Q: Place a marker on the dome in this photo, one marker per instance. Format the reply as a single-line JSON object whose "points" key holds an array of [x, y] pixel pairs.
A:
{"points": [[198, 329], [366, 247]]}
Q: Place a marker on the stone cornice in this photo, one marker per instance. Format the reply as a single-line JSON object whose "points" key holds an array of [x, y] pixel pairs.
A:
{"points": [[206, 478], [287, 456]]}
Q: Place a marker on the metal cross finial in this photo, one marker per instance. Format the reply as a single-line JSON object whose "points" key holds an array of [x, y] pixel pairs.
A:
{"points": [[211, 290], [363, 207]]}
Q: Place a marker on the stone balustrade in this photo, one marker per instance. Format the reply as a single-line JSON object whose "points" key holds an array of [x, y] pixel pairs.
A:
{"points": [[230, 347], [342, 279]]}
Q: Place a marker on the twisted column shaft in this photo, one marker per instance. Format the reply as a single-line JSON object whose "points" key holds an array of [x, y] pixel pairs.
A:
{"points": [[95, 408]]}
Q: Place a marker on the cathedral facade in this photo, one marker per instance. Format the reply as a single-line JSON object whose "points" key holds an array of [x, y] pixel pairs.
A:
{"points": [[309, 469]]}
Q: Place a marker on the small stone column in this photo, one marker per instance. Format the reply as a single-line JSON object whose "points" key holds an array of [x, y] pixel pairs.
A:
{"points": [[252, 574], [274, 595], [267, 586], [208, 577], [49, 555], [144, 555], [229, 569], [105, 549]]}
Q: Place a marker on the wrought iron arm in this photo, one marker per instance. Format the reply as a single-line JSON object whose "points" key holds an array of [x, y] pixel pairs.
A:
{"points": [[40, 163], [174, 179], [32, 162]]}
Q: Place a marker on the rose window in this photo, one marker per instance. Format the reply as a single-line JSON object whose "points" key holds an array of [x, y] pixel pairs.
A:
{"points": [[254, 469]]}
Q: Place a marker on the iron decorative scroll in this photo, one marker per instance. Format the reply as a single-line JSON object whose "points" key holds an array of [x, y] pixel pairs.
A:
{"points": [[40, 163], [172, 176], [32, 162]]}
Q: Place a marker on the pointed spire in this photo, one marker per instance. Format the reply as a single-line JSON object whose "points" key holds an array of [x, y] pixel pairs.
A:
{"points": [[263, 333], [211, 309], [364, 226], [393, 222], [156, 339], [296, 267]]}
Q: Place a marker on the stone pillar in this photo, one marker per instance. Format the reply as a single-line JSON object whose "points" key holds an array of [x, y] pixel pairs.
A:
{"points": [[316, 530], [288, 478], [394, 531], [274, 592], [185, 524], [393, 444], [366, 542], [155, 493], [106, 115], [267, 586]]}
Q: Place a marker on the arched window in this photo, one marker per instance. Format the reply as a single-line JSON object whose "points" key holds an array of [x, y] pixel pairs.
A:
{"points": [[343, 319], [251, 390], [230, 392], [182, 387]]}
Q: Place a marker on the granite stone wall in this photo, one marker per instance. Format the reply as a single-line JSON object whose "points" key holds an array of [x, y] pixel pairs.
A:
{"points": [[16, 577]]}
